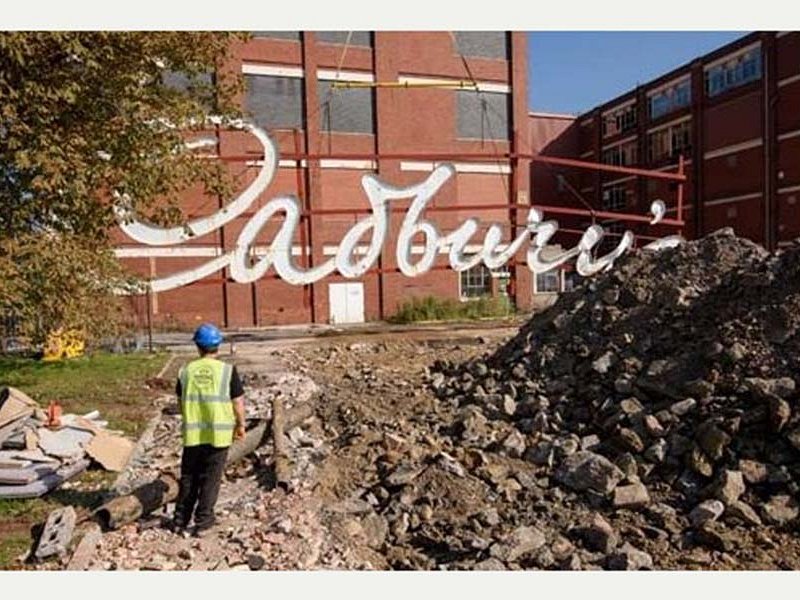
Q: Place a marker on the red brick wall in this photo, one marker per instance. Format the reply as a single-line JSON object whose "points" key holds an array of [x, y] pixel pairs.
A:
{"points": [[417, 120]]}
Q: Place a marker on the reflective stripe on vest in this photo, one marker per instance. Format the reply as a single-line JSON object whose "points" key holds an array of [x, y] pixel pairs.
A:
{"points": [[206, 406]]}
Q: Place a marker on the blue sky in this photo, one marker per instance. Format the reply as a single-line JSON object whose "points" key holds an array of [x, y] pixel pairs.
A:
{"points": [[574, 71]]}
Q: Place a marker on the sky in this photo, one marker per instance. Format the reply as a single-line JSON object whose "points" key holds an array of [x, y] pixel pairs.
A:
{"points": [[574, 71]]}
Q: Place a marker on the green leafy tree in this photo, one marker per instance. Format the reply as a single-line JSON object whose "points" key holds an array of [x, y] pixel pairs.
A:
{"points": [[82, 115]]}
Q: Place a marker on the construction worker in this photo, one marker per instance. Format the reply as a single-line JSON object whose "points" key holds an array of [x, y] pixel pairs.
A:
{"points": [[211, 399]]}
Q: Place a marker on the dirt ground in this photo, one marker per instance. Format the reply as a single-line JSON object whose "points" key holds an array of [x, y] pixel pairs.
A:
{"points": [[380, 481]]}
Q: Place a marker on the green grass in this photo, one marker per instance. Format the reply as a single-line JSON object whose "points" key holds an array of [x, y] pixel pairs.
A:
{"points": [[114, 384], [431, 308]]}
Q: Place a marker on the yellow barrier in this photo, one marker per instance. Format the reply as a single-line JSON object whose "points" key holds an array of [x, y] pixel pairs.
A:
{"points": [[63, 344]]}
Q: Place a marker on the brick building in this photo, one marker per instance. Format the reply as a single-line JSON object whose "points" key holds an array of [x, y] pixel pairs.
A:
{"points": [[415, 107], [733, 114]]}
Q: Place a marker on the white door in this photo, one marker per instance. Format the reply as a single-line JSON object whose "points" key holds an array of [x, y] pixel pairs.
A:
{"points": [[346, 302]]}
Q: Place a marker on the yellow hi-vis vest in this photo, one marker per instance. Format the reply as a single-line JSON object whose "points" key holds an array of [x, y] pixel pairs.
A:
{"points": [[206, 405]]}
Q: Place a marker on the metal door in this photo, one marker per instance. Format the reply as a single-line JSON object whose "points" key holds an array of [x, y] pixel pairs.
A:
{"points": [[346, 302]]}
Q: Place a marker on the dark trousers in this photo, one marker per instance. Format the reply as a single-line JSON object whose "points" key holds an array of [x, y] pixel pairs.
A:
{"points": [[201, 475]]}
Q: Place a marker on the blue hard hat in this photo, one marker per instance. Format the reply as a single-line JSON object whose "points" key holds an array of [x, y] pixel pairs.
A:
{"points": [[207, 336]]}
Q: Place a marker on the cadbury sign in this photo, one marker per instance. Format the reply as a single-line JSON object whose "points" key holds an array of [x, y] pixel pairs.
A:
{"points": [[537, 233]]}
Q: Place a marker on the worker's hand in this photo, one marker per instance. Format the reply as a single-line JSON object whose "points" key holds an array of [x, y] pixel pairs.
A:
{"points": [[238, 432]]}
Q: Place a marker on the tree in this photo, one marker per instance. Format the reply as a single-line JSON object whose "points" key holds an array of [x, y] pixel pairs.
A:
{"points": [[85, 114]]}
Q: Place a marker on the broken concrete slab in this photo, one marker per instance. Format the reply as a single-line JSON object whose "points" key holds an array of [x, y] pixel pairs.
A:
{"points": [[57, 533], [36, 456], [112, 451], [14, 406], [67, 442], [45, 484], [8, 460], [86, 548], [26, 475]]}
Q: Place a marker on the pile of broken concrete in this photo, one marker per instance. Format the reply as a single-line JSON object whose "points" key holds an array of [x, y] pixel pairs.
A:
{"points": [[38, 453], [663, 391]]}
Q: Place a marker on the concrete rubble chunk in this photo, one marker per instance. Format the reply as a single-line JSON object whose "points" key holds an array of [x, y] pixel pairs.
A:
{"points": [[631, 496], [780, 510], [743, 512], [67, 442], [729, 487], [589, 471], [598, 535], [86, 548], [522, 542], [630, 558], [706, 511], [57, 533], [753, 471]]}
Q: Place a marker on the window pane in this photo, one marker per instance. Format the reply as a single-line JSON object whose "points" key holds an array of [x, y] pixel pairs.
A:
{"points": [[738, 71], [345, 110], [476, 282], [548, 282], [486, 44], [483, 115], [275, 102], [358, 38]]}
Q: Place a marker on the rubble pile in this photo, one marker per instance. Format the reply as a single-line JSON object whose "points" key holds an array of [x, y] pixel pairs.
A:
{"points": [[259, 526], [661, 394], [40, 451]]}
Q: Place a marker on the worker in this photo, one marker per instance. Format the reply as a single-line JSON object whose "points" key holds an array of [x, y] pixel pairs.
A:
{"points": [[211, 399]]}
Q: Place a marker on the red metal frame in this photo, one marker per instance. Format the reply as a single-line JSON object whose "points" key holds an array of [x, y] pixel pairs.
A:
{"points": [[679, 177]]}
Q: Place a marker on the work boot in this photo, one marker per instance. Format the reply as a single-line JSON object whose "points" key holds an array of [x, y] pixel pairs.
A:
{"points": [[204, 529], [177, 525]]}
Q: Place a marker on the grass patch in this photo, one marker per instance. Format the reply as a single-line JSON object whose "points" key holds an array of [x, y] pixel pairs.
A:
{"points": [[431, 308], [114, 384]]}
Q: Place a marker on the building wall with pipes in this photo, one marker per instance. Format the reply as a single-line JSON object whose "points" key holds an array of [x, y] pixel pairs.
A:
{"points": [[733, 116], [405, 100]]}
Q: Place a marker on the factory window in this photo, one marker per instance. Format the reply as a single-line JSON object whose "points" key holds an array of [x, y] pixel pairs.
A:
{"points": [[476, 282], [275, 102], [669, 142], [278, 35], [737, 71], [619, 121], [548, 283], [671, 99], [483, 115], [483, 44], [357, 38], [615, 198], [346, 110], [621, 155]]}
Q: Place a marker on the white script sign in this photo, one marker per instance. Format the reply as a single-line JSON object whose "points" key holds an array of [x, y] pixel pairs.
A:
{"points": [[537, 232]]}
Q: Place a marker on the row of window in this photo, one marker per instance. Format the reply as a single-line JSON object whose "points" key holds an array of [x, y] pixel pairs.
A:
{"points": [[621, 155], [671, 99], [480, 44], [670, 142], [667, 143], [477, 281], [619, 121], [737, 71], [741, 69], [276, 102]]}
